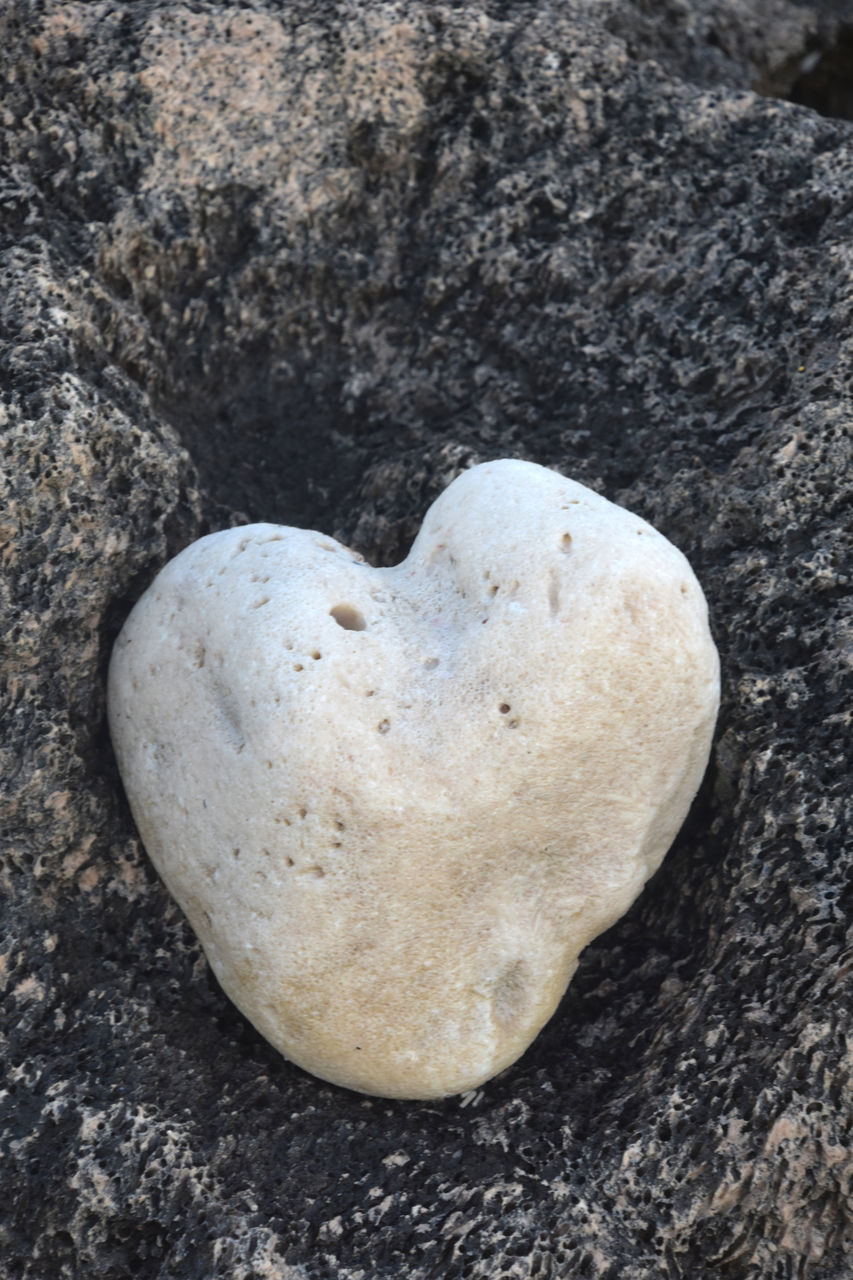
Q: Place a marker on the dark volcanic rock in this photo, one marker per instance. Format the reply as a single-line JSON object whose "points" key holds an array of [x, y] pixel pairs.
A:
{"points": [[303, 263]]}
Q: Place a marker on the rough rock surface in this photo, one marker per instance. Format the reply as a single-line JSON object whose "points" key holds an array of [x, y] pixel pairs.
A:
{"points": [[300, 263]]}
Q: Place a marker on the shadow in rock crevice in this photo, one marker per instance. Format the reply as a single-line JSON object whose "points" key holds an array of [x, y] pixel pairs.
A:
{"points": [[820, 78], [269, 450]]}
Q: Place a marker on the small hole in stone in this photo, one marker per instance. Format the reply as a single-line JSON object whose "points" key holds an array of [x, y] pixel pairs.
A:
{"points": [[430, 664], [303, 813], [512, 724], [566, 542], [384, 726], [684, 588], [503, 708], [316, 655], [289, 861], [297, 666], [348, 617], [236, 853]]}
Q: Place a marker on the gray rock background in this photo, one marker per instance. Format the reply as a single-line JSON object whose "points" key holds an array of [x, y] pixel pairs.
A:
{"points": [[303, 262]]}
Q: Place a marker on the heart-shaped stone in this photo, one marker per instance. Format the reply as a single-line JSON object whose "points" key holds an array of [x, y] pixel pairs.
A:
{"points": [[395, 804]]}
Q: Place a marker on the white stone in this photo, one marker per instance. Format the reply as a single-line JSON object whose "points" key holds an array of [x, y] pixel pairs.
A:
{"points": [[395, 804]]}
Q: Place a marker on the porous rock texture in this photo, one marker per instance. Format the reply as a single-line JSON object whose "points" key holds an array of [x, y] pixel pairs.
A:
{"points": [[301, 263]]}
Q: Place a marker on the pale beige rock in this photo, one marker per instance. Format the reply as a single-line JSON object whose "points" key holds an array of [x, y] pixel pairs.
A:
{"points": [[395, 804]]}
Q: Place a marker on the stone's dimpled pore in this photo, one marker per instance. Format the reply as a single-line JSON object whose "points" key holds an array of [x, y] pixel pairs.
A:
{"points": [[395, 804]]}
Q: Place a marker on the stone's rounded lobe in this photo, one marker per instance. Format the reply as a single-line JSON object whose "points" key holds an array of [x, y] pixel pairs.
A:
{"points": [[395, 804]]}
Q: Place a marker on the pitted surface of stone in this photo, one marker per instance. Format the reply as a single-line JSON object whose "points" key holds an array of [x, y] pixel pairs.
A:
{"points": [[397, 803]]}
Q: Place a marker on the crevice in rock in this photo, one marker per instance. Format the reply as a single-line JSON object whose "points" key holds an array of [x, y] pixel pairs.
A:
{"points": [[821, 78]]}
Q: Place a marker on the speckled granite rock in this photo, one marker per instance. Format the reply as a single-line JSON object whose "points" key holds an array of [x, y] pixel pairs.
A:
{"points": [[302, 266]]}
